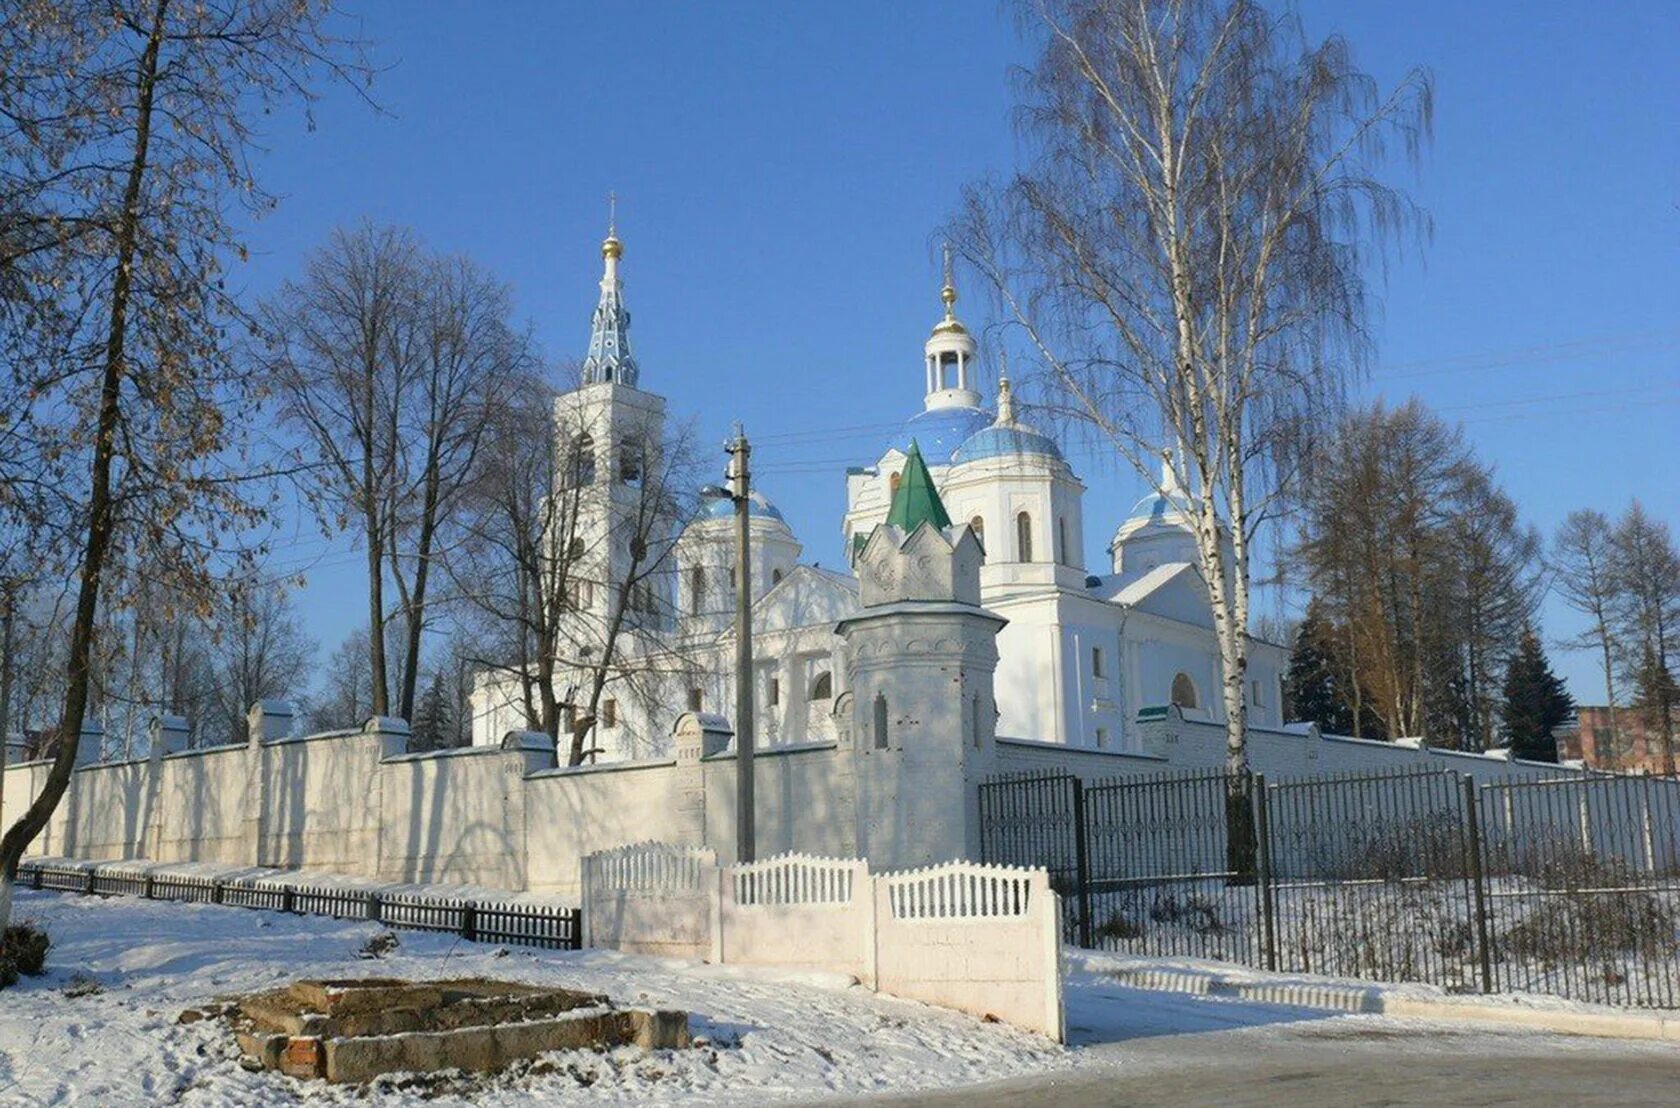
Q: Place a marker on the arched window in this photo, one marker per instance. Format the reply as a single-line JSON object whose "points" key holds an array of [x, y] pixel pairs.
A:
{"points": [[1023, 538], [978, 526], [1184, 691], [1061, 542], [581, 465], [880, 721], [775, 577], [638, 549], [574, 550], [696, 590], [630, 462], [823, 687], [893, 481]]}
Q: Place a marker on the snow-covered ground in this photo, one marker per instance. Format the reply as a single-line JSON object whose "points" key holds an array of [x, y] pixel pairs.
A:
{"points": [[772, 1035]]}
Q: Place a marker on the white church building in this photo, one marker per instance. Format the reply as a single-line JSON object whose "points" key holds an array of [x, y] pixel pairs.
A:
{"points": [[1081, 651]]}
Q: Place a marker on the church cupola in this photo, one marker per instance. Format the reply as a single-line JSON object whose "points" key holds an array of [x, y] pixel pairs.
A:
{"points": [[609, 360], [950, 355]]}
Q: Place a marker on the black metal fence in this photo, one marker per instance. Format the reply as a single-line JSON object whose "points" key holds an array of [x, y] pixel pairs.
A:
{"points": [[476, 921], [1569, 885]]}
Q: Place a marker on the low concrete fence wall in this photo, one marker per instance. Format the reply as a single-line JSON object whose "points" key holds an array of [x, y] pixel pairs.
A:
{"points": [[651, 898], [980, 939], [796, 910]]}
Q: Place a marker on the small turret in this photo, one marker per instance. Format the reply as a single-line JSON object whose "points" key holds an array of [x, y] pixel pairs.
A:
{"points": [[922, 654], [950, 354]]}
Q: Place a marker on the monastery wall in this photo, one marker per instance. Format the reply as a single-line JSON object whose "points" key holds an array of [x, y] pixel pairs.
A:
{"points": [[356, 802]]}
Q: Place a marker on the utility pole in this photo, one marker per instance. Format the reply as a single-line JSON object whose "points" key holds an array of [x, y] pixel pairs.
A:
{"points": [[740, 486]]}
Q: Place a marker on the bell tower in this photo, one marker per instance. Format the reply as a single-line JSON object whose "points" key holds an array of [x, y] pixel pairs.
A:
{"points": [[605, 527]]}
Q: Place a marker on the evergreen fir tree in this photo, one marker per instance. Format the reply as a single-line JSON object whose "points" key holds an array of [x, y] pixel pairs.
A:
{"points": [[1535, 702], [1653, 688], [434, 717], [1313, 693]]}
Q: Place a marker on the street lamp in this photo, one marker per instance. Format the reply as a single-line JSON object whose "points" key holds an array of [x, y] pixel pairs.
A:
{"points": [[738, 491]]}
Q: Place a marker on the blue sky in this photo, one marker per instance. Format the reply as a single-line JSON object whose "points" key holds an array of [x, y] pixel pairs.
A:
{"points": [[782, 169]]}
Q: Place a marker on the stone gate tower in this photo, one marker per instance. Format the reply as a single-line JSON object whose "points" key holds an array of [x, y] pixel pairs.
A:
{"points": [[922, 655]]}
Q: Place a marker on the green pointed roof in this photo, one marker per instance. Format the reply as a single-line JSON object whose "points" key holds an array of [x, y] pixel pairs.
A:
{"points": [[916, 500]]}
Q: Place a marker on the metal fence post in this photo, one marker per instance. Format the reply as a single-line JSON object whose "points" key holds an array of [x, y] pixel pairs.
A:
{"points": [[1263, 870], [216, 892], [288, 899], [1478, 879], [146, 887], [373, 906], [469, 921], [1081, 861]]}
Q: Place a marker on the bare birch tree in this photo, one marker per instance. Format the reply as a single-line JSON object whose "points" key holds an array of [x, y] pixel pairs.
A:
{"points": [[1645, 568], [1186, 252], [141, 110], [1581, 562]]}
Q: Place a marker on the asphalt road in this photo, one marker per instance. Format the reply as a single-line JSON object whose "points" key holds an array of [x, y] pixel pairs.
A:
{"points": [[1142, 1048]]}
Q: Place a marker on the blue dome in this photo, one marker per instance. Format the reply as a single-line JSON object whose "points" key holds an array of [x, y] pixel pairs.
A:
{"points": [[939, 431], [1004, 442], [758, 507]]}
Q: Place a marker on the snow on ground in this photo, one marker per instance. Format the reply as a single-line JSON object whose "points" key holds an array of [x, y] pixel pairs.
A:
{"points": [[773, 1035]]}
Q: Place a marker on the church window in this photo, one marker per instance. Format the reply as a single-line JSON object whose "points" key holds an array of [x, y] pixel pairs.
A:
{"points": [[638, 549], [775, 692], [1184, 691], [1102, 738], [775, 577], [978, 526], [696, 591], [1061, 542], [609, 713], [880, 721], [630, 462], [892, 482], [823, 687], [694, 700], [1023, 538], [1256, 700], [581, 466], [1097, 662], [574, 550]]}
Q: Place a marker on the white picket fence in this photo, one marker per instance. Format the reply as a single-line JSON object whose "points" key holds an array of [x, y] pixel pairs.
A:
{"points": [[958, 890], [980, 939]]}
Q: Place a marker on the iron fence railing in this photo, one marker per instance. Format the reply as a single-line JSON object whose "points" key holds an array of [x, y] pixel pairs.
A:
{"points": [[1568, 885], [477, 921]]}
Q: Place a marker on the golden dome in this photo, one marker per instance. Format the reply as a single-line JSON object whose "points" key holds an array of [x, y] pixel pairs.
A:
{"points": [[612, 248]]}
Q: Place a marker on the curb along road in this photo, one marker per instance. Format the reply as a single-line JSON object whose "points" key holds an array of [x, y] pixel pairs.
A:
{"points": [[1372, 999]]}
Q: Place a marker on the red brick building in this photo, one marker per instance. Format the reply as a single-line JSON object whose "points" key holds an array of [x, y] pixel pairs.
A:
{"points": [[1634, 745]]}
